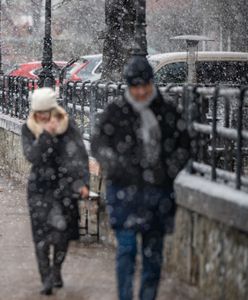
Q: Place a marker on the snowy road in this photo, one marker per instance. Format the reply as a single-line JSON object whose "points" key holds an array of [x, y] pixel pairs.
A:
{"points": [[88, 271]]}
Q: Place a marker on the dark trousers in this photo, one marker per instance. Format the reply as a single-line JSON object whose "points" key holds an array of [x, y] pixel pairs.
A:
{"points": [[152, 258], [43, 251]]}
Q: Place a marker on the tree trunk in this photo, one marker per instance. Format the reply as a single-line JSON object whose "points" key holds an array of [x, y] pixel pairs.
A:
{"points": [[119, 39]]}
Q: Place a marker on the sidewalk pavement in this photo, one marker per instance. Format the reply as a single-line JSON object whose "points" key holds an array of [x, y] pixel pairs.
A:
{"points": [[88, 271]]}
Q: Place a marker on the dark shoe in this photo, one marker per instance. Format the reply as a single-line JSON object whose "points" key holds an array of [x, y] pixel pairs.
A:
{"points": [[47, 286], [46, 291], [57, 278]]}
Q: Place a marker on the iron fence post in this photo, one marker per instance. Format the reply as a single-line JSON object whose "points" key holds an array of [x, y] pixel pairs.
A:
{"points": [[16, 98], [83, 94], [214, 134], [1, 89], [92, 116], [240, 139], [228, 145], [106, 94]]}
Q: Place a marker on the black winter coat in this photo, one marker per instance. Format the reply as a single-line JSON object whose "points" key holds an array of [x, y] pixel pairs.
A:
{"points": [[117, 147], [59, 169]]}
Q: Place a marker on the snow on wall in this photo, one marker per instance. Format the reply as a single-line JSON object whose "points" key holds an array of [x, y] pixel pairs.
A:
{"points": [[214, 200]]}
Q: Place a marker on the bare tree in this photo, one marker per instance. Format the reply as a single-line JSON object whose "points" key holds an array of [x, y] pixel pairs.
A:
{"points": [[120, 18]]}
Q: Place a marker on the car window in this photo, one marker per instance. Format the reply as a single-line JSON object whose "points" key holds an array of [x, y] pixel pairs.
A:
{"points": [[222, 72], [86, 71], [73, 69], [208, 72], [172, 73]]}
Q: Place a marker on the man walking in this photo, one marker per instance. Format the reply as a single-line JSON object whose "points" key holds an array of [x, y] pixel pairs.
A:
{"points": [[59, 178], [142, 143]]}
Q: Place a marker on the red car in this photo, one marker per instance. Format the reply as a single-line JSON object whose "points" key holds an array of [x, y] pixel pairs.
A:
{"points": [[32, 70]]}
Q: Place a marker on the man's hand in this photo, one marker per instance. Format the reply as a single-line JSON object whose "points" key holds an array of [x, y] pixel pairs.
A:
{"points": [[84, 191]]}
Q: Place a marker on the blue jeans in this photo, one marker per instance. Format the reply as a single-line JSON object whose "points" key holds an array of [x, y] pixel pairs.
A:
{"points": [[142, 209], [152, 258]]}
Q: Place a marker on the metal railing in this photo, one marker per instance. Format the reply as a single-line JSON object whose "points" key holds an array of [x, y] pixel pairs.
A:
{"points": [[217, 119], [14, 95], [84, 101]]}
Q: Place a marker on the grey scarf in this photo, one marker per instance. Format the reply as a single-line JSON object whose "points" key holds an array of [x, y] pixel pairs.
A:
{"points": [[149, 132]]}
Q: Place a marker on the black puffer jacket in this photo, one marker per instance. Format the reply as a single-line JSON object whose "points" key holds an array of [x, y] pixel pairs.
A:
{"points": [[117, 147], [59, 169]]}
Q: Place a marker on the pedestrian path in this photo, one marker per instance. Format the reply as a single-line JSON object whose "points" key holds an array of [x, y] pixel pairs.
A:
{"points": [[88, 271]]}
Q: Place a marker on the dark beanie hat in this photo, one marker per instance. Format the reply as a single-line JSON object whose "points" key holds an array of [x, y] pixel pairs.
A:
{"points": [[138, 71]]}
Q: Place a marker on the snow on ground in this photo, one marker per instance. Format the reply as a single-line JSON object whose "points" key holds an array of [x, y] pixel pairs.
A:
{"points": [[88, 271]]}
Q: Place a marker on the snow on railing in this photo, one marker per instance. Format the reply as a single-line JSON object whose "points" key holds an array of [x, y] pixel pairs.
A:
{"points": [[217, 118]]}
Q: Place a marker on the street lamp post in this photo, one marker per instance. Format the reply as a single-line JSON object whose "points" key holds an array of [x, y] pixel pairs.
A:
{"points": [[140, 47], [1, 61], [192, 42], [46, 78]]}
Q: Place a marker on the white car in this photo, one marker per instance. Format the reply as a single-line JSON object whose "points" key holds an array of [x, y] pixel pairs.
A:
{"points": [[212, 68]]}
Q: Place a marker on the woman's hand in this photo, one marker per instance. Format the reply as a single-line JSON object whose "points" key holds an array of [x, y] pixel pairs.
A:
{"points": [[51, 126], [84, 192]]}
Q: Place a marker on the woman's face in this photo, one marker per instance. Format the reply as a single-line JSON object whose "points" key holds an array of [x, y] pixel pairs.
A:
{"points": [[43, 116]]}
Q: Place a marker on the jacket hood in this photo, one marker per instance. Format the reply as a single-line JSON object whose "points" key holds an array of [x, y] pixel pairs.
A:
{"points": [[37, 128]]}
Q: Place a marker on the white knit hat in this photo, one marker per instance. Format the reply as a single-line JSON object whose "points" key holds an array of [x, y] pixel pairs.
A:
{"points": [[43, 99]]}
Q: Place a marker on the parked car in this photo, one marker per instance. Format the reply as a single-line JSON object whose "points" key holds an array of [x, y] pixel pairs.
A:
{"points": [[32, 70], [212, 68], [89, 67]]}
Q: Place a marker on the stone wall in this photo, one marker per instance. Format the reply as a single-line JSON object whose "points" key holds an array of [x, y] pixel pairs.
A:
{"points": [[209, 248], [12, 162]]}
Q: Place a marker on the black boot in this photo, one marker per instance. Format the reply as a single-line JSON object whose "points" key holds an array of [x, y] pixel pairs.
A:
{"points": [[57, 277], [42, 253], [47, 286]]}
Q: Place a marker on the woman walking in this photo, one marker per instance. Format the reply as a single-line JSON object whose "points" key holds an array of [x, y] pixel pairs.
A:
{"points": [[59, 177]]}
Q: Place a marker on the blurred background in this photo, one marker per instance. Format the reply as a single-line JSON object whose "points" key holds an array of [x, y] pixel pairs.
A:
{"points": [[77, 26]]}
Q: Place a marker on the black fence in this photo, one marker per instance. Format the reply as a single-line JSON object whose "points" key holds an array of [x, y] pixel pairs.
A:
{"points": [[14, 95], [217, 119], [84, 101]]}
